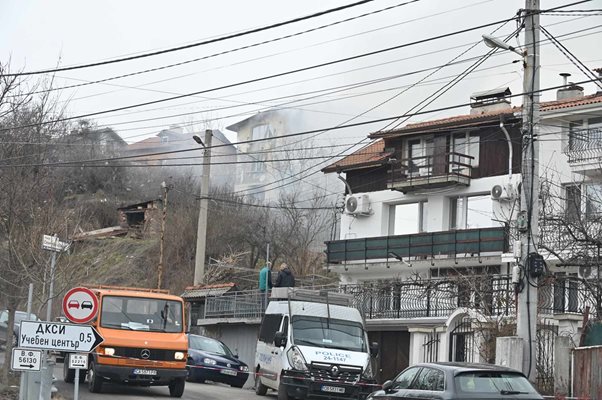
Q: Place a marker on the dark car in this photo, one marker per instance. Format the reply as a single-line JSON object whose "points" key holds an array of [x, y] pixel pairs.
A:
{"points": [[19, 316], [210, 359], [454, 381]]}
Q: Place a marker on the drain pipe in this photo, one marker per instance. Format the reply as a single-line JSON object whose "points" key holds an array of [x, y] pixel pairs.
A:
{"points": [[345, 182], [503, 128]]}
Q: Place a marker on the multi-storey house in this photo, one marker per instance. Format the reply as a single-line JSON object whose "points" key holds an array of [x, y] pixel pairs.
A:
{"points": [[429, 221]]}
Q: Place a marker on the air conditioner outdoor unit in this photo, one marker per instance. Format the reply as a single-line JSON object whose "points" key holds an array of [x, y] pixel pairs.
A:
{"points": [[504, 192], [358, 205]]}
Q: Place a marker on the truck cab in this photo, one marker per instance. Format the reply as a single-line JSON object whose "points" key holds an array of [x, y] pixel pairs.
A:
{"points": [[145, 342], [313, 344]]}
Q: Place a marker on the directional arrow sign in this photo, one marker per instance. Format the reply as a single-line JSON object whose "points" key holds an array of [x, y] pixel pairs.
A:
{"points": [[26, 360], [54, 336]]}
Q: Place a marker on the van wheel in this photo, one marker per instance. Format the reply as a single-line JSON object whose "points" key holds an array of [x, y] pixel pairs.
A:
{"points": [[68, 373], [282, 393], [94, 381], [260, 388], [176, 387]]}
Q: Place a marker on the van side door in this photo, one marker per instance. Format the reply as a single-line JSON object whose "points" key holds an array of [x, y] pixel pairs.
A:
{"points": [[268, 362]]}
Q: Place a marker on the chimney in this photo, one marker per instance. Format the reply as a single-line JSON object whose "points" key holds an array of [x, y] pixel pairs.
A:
{"points": [[490, 100], [569, 89]]}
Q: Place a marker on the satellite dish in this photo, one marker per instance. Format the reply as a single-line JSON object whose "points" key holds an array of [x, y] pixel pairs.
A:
{"points": [[497, 191], [351, 204]]}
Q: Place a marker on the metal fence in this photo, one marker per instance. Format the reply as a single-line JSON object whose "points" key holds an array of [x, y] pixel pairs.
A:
{"points": [[490, 295]]}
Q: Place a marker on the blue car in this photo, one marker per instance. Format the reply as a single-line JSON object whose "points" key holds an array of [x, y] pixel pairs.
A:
{"points": [[211, 360]]}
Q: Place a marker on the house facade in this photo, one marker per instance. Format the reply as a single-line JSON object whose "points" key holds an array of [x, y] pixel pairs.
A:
{"points": [[429, 221]]}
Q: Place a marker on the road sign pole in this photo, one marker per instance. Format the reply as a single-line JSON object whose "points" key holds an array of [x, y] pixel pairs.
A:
{"points": [[76, 385], [25, 375]]}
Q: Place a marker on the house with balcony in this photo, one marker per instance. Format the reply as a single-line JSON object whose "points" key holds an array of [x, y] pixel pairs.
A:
{"points": [[429, 220]]}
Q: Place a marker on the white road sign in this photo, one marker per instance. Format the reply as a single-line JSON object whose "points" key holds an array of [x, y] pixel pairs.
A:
{"points": [[54, 336], [26, 360], [78, 361], [53, 243]]}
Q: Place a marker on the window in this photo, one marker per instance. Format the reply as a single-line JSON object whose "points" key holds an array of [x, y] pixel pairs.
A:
{"points": [[269, 327], [325, 332], [593, 199], [492, 382], [420, 156], [471, 212], [585, 134], [408, 218], [141, 314], [464, 143], [573, 202], [405, 379], [262, 132], [429, 379], [576, 135]]}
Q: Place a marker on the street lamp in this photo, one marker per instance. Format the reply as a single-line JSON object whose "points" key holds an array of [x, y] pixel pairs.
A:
{"points": [[526, 310], [495, 43]]}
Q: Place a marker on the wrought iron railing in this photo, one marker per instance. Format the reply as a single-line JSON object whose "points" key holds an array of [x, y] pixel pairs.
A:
{"points": [[428, 244], [584, 144], [489, 295]]}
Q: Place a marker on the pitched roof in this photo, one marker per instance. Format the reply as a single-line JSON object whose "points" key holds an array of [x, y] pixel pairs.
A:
{"points": [[372, 154], [202, 291]]}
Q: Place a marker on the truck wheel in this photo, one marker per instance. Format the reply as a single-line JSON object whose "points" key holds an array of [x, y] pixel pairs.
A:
{"points": [[282, 393], [176, 387], [68, 373], [260, 388], [94, 381]]}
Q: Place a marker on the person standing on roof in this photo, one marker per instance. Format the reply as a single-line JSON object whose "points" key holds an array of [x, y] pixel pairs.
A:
{"points": [[285, 277]]}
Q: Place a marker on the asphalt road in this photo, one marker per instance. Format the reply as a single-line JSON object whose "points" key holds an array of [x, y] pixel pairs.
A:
{"points": [[193, 391]]}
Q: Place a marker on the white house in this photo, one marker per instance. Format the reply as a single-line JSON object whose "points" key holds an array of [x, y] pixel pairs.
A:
{"points": [[430, 216]]}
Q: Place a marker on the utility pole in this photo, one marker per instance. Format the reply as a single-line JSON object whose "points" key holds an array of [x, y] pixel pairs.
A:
{"points": [[201, 236], [526, 314], [162, 241]]}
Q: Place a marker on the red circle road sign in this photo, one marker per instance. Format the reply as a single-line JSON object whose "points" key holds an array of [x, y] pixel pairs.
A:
{"points": [[80, 305]]}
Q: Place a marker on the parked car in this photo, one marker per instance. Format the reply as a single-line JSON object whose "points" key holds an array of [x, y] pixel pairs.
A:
{"points": [[210, 359], [454, 381], [19, 316]]}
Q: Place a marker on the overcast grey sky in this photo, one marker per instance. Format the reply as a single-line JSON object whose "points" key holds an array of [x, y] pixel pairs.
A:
{"points": [[40, 34]]}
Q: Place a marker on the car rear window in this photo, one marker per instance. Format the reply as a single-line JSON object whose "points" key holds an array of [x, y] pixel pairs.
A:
{"points": [[492, 382]]}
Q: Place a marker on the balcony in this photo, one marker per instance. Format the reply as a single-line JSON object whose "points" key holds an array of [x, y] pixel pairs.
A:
{"points": [[585, 149], [435, 171], [432, 244]]}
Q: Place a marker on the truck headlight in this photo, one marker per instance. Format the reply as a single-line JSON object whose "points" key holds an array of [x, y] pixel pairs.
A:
{"points": [[295, 359], [209, 361], [178, 355]]}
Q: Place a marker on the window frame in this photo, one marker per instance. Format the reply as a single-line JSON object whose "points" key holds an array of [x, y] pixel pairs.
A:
{"points": [[422, 221], [427, 369]]}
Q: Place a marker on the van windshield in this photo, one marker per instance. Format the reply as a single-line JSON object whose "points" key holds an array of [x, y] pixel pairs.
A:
{"points": [[140, 314], [329, 333]]}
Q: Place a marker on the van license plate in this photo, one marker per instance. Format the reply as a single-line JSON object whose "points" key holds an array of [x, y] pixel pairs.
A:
{"points": [[333, 389], [145, 372]]}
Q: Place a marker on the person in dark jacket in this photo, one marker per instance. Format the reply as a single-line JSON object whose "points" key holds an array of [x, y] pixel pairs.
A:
{"points": [[285, 277]]}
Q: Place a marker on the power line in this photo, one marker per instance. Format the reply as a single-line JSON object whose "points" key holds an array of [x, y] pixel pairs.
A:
{"points": [[320, 65], [202, 43]]}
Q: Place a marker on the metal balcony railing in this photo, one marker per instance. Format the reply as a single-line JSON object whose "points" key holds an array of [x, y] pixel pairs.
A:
{"points": [[431, 171], [430, 244], [490, 295], [584, 145]]}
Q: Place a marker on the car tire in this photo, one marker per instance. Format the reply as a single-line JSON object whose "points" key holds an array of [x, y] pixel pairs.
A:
{"points": [[176, 387], [94, 381], [68, 373], [260, 388], [282, 393]]}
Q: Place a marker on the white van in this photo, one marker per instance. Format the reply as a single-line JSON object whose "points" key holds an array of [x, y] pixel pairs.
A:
{"points": [[313, 344]]}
